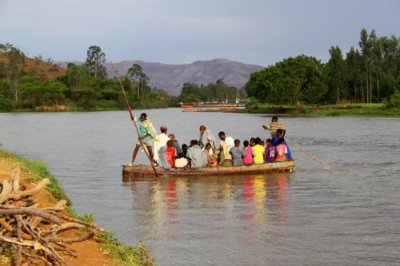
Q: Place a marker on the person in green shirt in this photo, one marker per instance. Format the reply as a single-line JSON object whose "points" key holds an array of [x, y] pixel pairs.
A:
{"points": [[147, 133]]}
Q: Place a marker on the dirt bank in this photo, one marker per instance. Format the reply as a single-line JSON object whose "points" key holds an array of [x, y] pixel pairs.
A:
{"points": [[90, 252]]}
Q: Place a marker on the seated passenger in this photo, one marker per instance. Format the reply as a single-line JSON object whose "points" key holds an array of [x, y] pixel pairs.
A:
{"points": [[252, 142], [196, 155], [237, 154], [258, 152], [281, 151], [170, 153], [184, 150], [162, 158], [270, 152], [248, 158], [280, 134], [179, 152], [208, 151]]}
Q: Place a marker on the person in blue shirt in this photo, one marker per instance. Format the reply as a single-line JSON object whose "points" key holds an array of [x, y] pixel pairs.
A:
{"points": [[280, 135]]}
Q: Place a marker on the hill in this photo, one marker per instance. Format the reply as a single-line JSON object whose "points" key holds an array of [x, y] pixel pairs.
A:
{"points": [[37, 67], [170, 77]]}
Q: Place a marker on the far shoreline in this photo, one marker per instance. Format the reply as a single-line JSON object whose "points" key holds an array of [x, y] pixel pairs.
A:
{"points": [[339, 110]]}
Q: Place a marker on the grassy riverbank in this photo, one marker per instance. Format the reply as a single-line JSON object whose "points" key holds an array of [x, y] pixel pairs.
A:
{"points": [[372, 109], [104, 249]]}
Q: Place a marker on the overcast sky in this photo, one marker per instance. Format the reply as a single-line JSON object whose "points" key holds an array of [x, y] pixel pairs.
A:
{"points": [[182, 31]]}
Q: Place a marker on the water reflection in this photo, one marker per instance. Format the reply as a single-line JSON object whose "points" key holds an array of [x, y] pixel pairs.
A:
{"points": [[163, 206]]}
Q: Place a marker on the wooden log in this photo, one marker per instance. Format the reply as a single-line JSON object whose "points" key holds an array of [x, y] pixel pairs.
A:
{"points": [[25, 193], [58, 206], [31, 211], [6, 188], [18, 255], [67, 218], [66, 226], [14, 177], [72, 240]]}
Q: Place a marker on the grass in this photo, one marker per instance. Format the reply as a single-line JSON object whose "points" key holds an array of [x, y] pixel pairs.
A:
{"points": [[37, 171], [122, 254], [370, 109]]}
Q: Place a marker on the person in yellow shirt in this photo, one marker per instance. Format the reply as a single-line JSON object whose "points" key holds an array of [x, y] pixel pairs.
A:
{"points": [[259, 152]]}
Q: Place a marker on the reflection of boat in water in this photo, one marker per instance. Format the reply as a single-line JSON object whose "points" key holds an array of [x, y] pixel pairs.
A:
{"points": [[147, 170]]}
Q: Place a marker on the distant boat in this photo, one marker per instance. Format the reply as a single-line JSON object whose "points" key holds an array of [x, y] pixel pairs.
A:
{"points": [[199, 107], [205, 105], [131, 171], [186, 105]]}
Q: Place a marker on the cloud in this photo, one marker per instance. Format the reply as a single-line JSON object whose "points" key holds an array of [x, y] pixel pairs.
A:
{"points": [[174, 31]]}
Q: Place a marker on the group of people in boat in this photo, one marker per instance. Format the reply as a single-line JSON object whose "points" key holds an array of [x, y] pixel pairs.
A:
{"points": [[166, 152]]}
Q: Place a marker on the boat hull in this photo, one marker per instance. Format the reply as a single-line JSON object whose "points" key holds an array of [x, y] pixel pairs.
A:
{"points": [[146, 170]]}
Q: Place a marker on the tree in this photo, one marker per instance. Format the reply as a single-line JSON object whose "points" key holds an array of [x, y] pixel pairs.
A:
{"points": [[16, 58], [139, 80], [290, 81], [354, 77], [336, 74], [95, 61]]}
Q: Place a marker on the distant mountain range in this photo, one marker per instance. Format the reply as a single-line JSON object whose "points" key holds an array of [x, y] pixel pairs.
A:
{"points": [[171, 77]]}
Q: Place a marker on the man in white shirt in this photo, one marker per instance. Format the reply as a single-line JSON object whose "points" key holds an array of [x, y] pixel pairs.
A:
{"points": [[227, 143], [160, 141]]}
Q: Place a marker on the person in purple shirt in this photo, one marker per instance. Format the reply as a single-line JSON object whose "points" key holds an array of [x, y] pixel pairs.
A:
{"points": [[270, 151]]}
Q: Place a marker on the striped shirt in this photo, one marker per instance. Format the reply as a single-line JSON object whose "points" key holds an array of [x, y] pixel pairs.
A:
{"points": [[274, 126]]}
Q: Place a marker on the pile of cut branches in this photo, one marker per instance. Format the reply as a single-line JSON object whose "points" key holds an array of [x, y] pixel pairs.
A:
{"points": [[32, 233]]}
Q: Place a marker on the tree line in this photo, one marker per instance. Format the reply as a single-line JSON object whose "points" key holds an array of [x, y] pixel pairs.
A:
{"points": [[79, 87], [367, 74], [213, 92]]}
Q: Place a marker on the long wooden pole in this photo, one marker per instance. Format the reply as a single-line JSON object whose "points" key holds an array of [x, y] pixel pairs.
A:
{"points": [[133, 119], [324, 164]]}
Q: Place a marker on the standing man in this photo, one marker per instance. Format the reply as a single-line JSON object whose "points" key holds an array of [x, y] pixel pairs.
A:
{"points": [[146, 134], [227, 143], [206, 137], [160, 141], [274, 126]]}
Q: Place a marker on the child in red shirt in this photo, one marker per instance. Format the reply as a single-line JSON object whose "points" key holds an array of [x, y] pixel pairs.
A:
{"points": [[170, 152]]}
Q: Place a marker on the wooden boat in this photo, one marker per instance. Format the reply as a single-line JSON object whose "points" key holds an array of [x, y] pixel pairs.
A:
{"points": [[141, 170]]}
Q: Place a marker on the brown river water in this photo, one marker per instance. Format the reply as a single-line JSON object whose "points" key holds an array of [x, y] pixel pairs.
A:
{"points": [[348, 215]]}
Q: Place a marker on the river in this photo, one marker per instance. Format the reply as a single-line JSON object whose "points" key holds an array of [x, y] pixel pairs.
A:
{"points": [[348, 215]]}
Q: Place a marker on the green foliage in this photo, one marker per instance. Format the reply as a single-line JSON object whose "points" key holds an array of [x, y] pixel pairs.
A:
{"points": [[368, 75], [336, 75], [394, 100], [95, 61], [292, 80], [5, 105], [138, 80], [218, 91], [125, 255], [83, 87]]}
